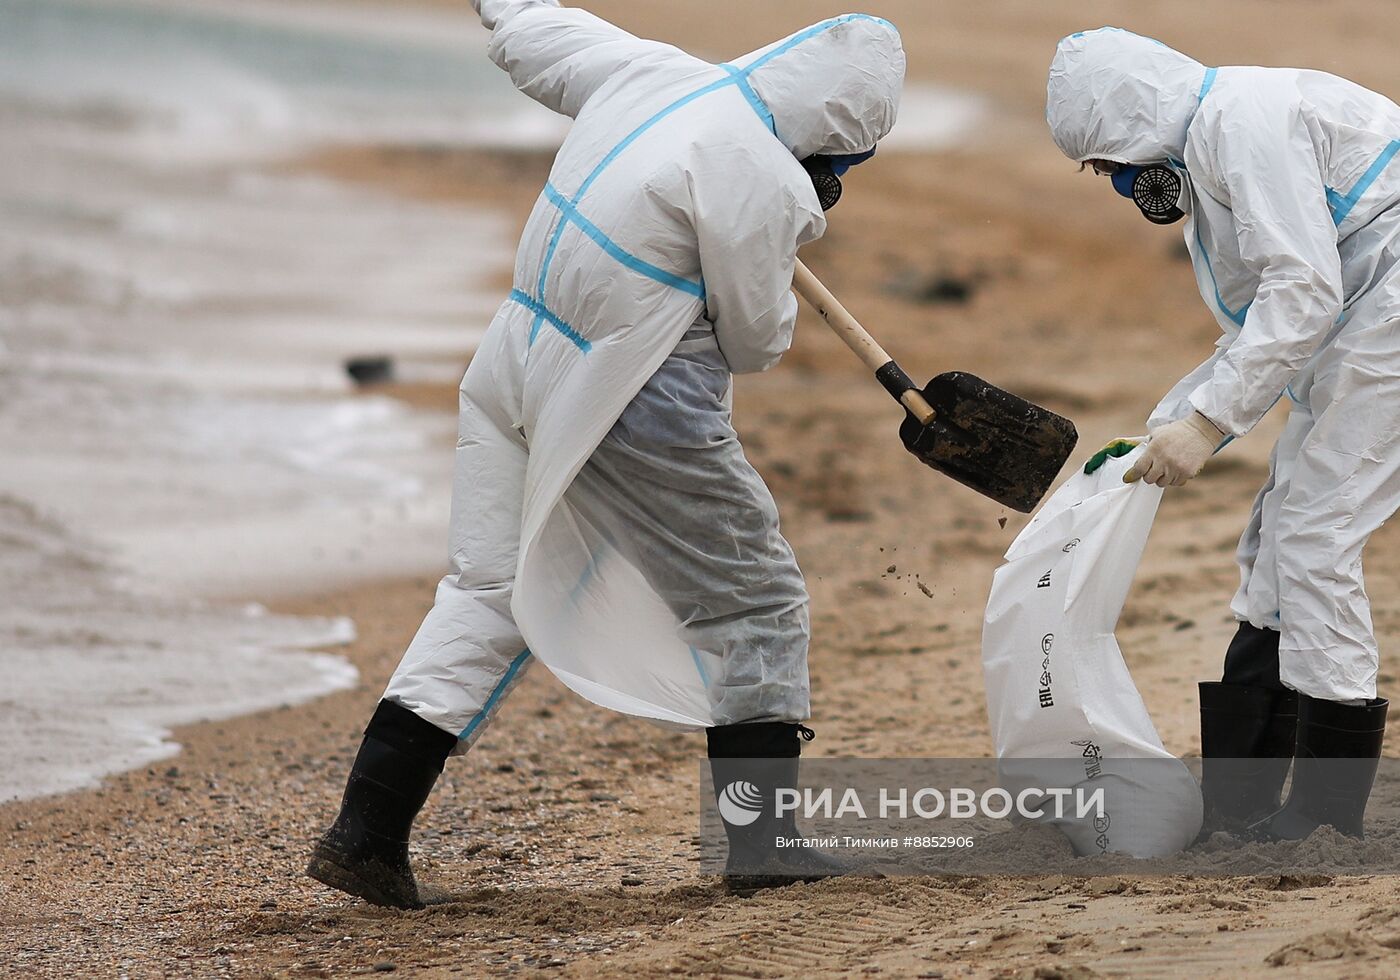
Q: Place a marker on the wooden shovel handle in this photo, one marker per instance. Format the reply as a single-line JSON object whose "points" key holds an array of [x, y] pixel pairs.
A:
{"points": [[839, 319]]}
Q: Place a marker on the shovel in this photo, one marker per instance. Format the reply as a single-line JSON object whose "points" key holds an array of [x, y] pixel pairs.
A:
{"points": [[1002, 446]]}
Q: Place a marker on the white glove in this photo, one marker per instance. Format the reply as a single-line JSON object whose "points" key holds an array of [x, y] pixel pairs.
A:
{"points": [[1174, 453]]}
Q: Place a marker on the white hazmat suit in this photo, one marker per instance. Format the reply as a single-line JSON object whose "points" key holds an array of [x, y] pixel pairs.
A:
{"points": [[605, 520], [1294, 236]]}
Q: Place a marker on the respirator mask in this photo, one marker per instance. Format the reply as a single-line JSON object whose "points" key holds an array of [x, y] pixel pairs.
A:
{"points": [[826, 172], [1158, 189]]}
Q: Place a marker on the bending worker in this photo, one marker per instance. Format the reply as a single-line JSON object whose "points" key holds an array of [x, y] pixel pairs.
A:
{"points": [[1292, 217], [605, 520]]}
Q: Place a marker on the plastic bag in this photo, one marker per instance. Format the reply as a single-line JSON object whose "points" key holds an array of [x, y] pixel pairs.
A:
{"points": [[1057, 686], [601, 628]]}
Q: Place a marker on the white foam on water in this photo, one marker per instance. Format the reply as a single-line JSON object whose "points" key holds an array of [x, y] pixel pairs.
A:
{"points": [[97, 672]]}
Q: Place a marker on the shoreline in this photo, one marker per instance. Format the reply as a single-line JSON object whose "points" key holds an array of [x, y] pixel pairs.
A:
{"points": [[180, 306], [151, 526], [565, 839]]}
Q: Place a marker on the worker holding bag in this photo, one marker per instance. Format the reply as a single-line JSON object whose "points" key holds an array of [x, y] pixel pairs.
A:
{"points": [[1292, 218]]}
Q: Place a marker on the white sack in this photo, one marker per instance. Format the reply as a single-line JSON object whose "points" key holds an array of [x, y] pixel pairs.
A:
{"points": [[1057, 686]]}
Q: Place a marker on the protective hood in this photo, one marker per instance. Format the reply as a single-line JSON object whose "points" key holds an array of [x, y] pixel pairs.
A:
{"points": [[832, 88], [1114, 95]]}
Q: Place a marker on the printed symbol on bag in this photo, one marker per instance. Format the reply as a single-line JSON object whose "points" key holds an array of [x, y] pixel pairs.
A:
{"points": [[1047, 699], [1093, 757], [1101, 828], [740, 803], [1044, 581], [1093, 768], [1073, 542]]}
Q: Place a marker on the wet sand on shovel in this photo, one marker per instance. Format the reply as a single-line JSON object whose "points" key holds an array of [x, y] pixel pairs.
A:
{"points": [[565, 839]]}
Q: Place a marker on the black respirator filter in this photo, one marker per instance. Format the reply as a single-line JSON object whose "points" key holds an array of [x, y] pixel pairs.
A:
{"points": [[1157, 191], [824, 180]]}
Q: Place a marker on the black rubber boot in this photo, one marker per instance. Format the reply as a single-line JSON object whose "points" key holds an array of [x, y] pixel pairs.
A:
{"points": [[749, 763], [1247, 736], [365, 853], [1334, 766]]}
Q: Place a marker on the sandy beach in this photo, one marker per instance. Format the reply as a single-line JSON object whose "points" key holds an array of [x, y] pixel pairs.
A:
{"points": [[565, 839]]}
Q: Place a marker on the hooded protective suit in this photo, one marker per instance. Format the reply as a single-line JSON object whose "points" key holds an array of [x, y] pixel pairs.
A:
{"points": [[1294, 237], [605, 519]]}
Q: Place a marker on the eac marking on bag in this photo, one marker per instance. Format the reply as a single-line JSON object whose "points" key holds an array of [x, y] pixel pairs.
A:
{"points": [[1047, 699]]}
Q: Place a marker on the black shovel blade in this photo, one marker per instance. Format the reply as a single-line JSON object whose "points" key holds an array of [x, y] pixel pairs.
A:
{"points": [[1002, 446]]}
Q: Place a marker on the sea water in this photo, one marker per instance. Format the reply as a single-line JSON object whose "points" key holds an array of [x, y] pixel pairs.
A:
{"points": [[176, 304]]}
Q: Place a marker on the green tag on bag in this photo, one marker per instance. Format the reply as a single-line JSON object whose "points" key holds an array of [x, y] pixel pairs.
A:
{"points": [[1115, 449]]}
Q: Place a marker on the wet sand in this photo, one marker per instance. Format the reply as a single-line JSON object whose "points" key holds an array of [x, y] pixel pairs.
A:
{"points": [[565, 839]]}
